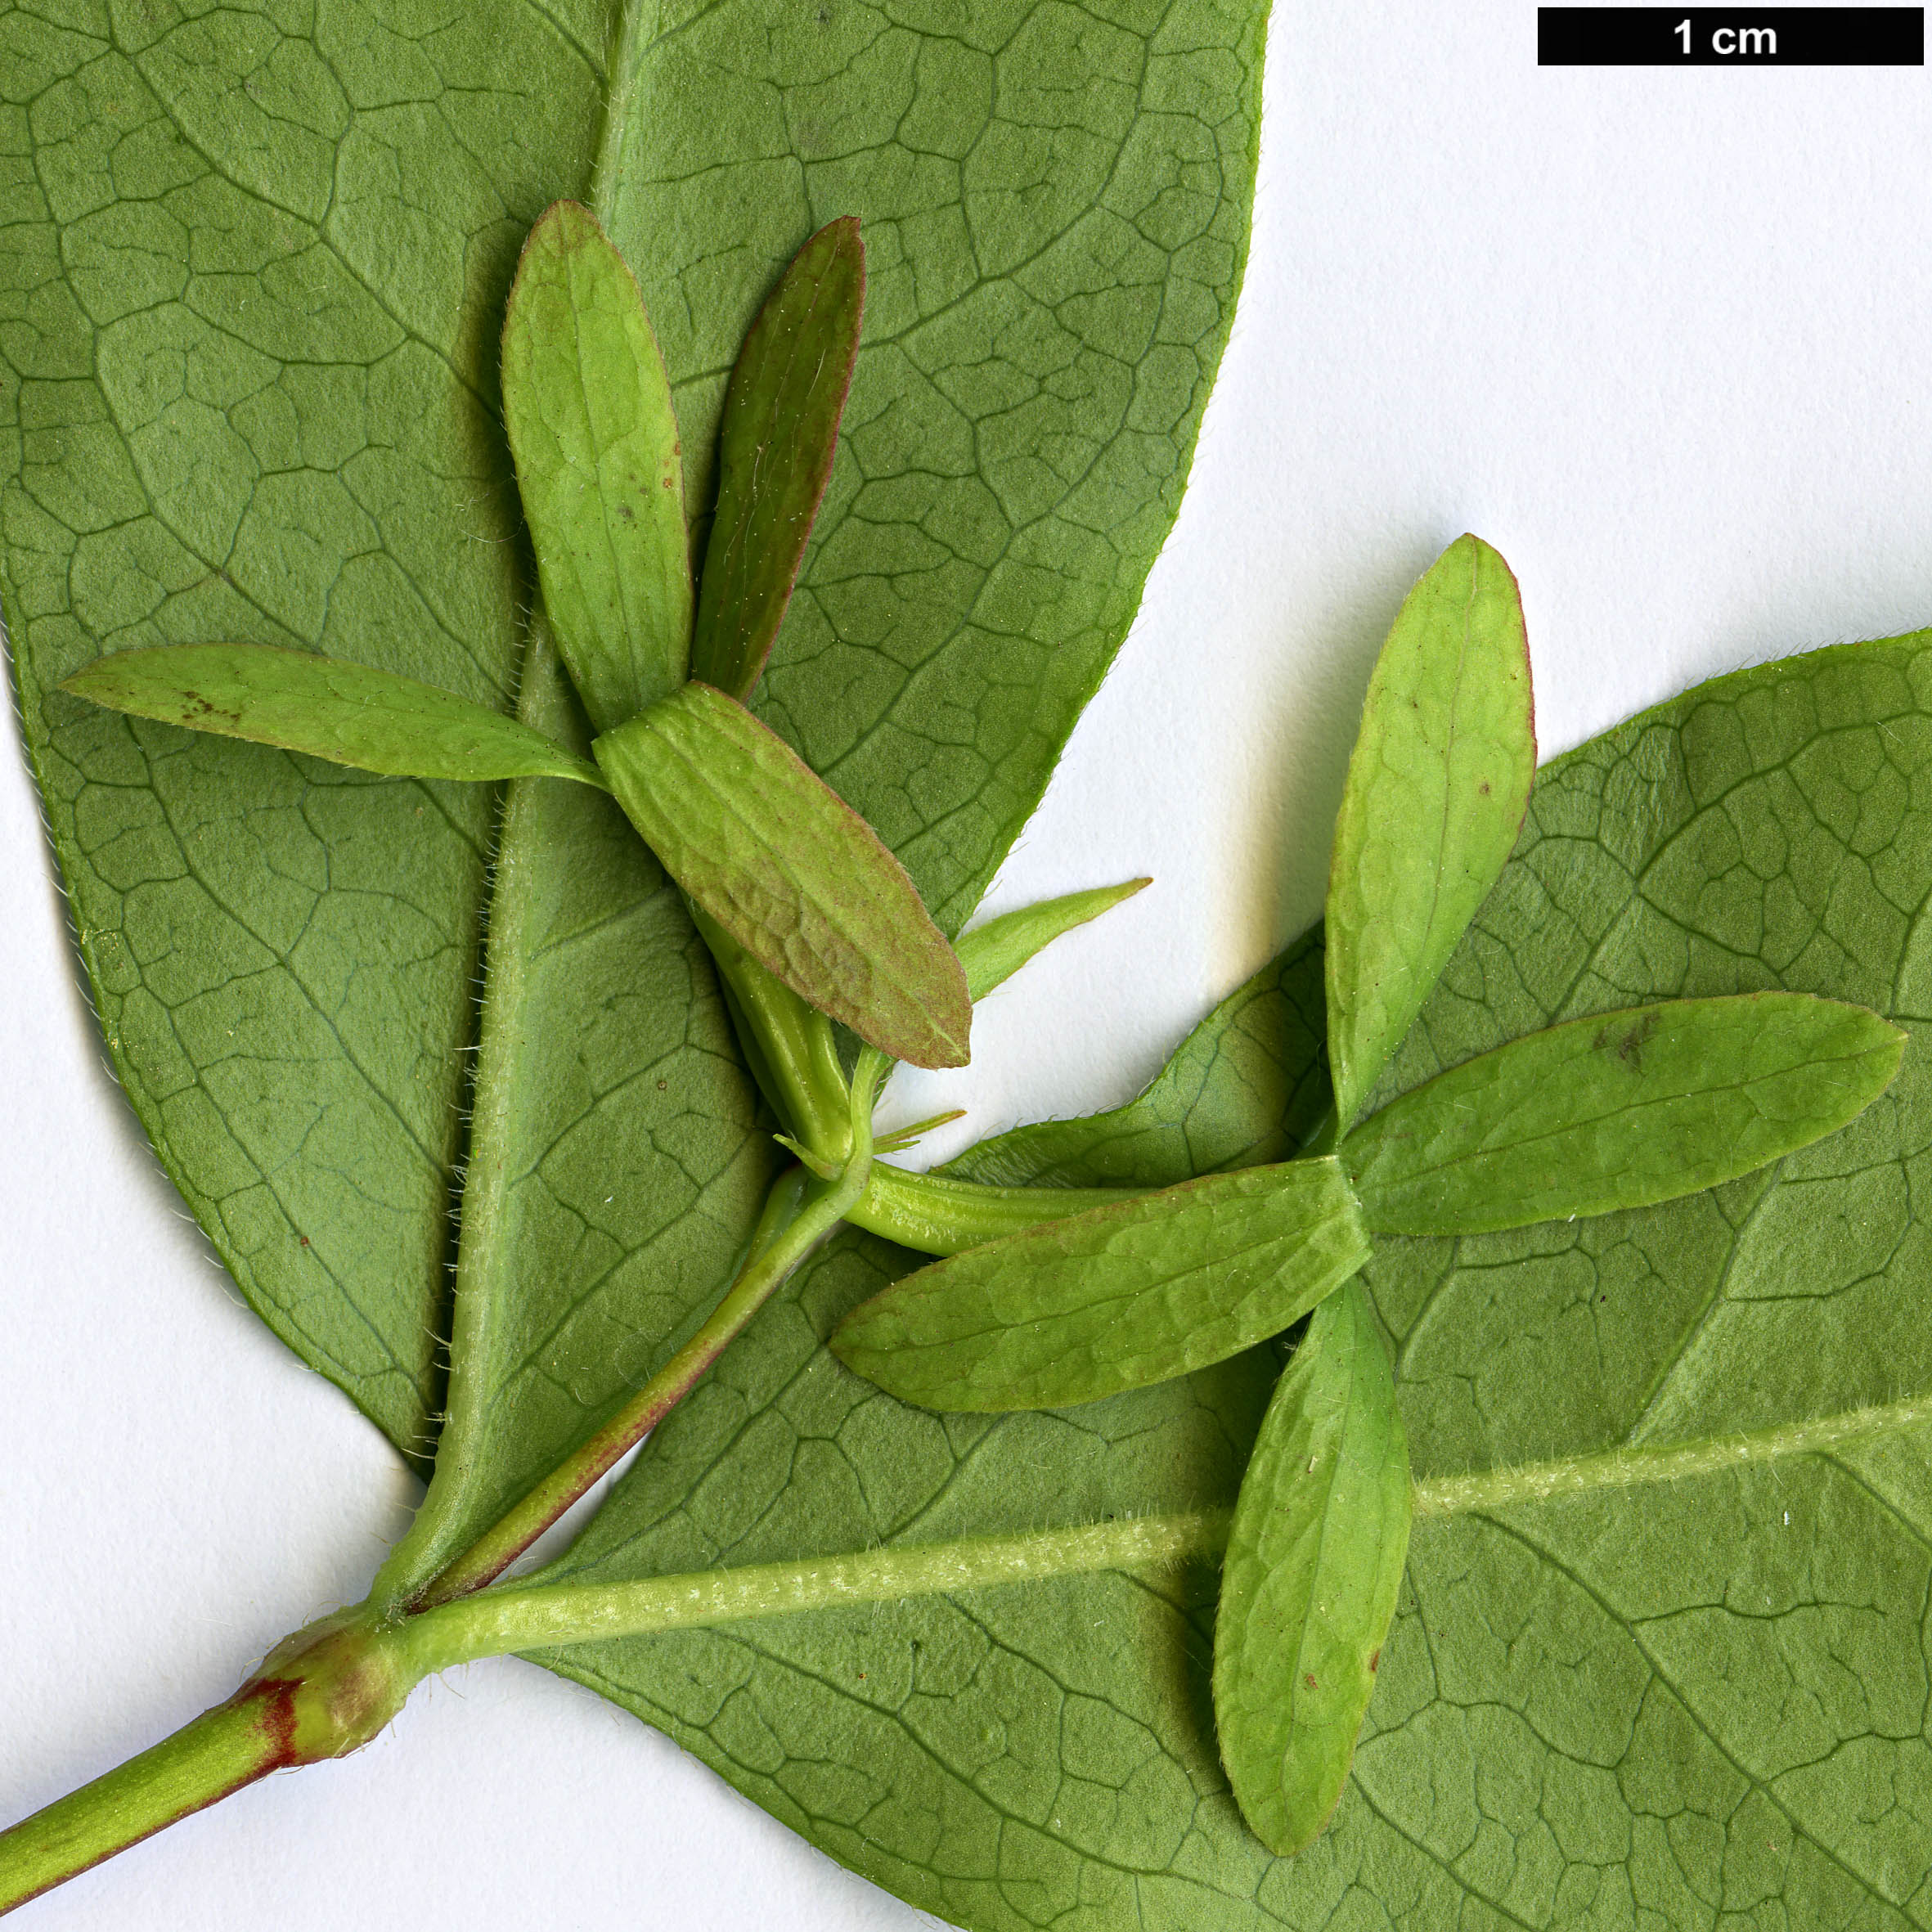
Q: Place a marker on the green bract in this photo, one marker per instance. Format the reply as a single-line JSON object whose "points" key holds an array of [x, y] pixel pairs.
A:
{"points": [[779, 431], [1309, 1583], [789, 871], [347, 713], [1618, 1110], [991, 953], [587, 408], [1435, 792], [1114, 1298]]}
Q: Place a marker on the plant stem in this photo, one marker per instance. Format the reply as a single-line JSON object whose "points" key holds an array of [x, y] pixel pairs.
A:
{"points": [[219, 1753], [793, 1225], [541, 1615], [329, 1690], [939, 1215], [1628, 1465], [324, 1692]]}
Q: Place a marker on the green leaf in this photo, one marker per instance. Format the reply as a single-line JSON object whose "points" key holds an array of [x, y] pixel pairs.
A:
{"points": [[588, 412], [776, 440], [1310, 1580], [1249, 1085], [251, 377], [789, 871], [1664, 1699], [372, 720], [1056, 212], [1436, 788], [1113, 1299], [1618, 1110], [993, 953]]}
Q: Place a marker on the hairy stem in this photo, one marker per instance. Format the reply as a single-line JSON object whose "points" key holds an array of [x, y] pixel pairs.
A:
{"points": [[798, 1216], [1627, 1466], [538, 1616]]}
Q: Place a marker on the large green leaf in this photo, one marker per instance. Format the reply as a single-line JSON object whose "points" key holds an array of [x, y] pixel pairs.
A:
{"points": [[1692, 1704], [251, 289]]}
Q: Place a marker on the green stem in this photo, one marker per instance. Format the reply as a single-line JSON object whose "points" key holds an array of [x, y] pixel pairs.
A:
{"points": [[540, 1616], [794, 1222], [790, 1045], [1627, 1466], [329, 1690], [324, 1692], [219, 1753], [938, 1215]]}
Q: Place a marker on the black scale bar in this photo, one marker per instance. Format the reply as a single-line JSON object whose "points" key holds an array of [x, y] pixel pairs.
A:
{"points": [[1731, 37]]}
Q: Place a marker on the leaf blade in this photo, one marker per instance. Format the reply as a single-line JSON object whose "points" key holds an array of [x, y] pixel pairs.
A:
{"points": [[1620, 1110], [776, 441], [329, 707], [789, 871], [1436, 789], [1314, 1566], [588, 410], [1134, 1292]]}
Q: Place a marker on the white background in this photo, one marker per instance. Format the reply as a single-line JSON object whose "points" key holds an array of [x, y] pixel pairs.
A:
{"points": [[1661, 336]]}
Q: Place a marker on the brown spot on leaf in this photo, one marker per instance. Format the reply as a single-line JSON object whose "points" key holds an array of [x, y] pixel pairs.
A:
{"points": [[1627, 1043], [1310, 1681], [1374, 1661]]}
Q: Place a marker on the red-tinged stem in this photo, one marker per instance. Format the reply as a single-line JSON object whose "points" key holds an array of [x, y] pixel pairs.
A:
{"points": [[323, 1692], [805, 1217]]}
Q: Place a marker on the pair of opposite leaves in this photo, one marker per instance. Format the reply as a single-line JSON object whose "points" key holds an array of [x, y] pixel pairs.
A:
{"points": [[763, 848], [1621, 1110]]}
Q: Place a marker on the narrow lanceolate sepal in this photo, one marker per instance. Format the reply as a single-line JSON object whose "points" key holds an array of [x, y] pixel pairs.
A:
{"points": [[776, 441], [587, 405], [993, 953], [1120, 1296], [1309, 1584], [1620, 1110], [1437, 787], [790, 871], [325, 706]]}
